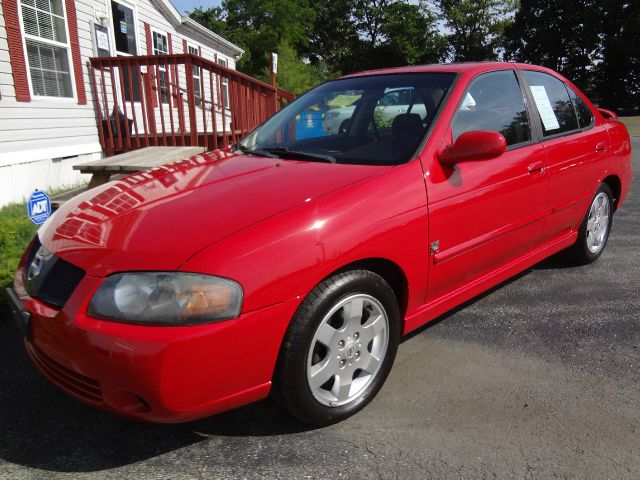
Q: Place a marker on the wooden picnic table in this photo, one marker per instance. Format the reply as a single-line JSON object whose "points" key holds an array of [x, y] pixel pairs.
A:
{"points": [[134, 161]]}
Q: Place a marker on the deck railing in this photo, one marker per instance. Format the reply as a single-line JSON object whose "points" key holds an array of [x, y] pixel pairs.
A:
{"points": [[176, 100]]}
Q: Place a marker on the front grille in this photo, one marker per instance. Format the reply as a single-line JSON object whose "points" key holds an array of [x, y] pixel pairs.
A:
{"points": [[49, 278], [75, 383]]}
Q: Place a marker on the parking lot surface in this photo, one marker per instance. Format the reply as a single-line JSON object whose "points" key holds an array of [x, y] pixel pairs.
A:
{"points": [[538, 378]]}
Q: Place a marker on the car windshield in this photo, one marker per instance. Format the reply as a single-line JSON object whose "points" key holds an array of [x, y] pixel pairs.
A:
{"points": [[370, 120]]}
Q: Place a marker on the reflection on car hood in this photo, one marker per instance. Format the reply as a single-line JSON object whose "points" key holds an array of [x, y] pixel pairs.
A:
{"points": [[159, 218]]}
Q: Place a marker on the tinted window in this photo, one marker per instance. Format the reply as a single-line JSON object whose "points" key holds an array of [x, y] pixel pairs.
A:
{"points": [[585, 117], [370, 120], [554, 106], [494, 102]]}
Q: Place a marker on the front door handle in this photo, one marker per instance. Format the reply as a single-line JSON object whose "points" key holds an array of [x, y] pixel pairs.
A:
{"points": [[601, 147], [536, 167]]}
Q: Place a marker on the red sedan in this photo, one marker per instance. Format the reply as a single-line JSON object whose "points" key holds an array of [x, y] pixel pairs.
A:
{"points": [[293, 262]]}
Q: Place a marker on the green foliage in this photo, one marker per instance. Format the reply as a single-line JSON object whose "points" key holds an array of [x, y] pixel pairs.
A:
{"points": [[293, 74], [16, 231], [595, 43], [258, 26], [559, 34], [333, 35], [617, 77], [411, 35], [393, 33], [325, 38], [380, 120], [477, 27]]}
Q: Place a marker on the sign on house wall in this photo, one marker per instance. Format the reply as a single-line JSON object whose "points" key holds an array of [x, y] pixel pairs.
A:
{"points": [[101, 40]]}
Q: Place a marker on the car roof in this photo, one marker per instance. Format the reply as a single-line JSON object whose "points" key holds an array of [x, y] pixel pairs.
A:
{"points": [[465, 67]]}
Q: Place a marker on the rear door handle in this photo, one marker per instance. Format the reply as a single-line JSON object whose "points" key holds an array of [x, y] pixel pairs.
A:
{"points": [[601, 147], [536, 167]]}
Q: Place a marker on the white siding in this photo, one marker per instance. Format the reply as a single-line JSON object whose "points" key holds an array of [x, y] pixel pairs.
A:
{"points": [[30, 130], [65, 120]]}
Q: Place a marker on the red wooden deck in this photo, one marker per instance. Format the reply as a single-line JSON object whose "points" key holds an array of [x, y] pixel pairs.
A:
{"points": [[176, 100]]}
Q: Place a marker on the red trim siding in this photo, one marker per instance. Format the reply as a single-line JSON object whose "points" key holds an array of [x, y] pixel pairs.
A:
{"points": [[74, 43], [16, 53]]}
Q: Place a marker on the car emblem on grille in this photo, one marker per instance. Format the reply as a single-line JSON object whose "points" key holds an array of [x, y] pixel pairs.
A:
{"points": [[36, 265]]}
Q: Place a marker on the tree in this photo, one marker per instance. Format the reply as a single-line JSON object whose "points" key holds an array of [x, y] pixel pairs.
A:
{"points": [[595, 43], [411, 35], [559, 34], [333, 36], [258, 26], [393, 33], [327, 37], [617, 77], [477, 27], [293, 74]]}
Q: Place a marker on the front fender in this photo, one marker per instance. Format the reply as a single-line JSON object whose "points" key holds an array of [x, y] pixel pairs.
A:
{"points": [[285, 256]]}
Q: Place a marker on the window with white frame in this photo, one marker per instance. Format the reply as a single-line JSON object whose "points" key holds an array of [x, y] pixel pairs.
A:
{"points": [[196, 75], [225, 85], [47, 47], [161, 47]]}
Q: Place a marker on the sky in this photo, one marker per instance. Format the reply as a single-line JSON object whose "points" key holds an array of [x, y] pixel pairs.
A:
{"points": [[186, 5]]}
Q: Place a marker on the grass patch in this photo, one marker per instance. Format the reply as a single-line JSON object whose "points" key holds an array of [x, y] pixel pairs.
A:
{"points": [[632, 124], [16, 231]]}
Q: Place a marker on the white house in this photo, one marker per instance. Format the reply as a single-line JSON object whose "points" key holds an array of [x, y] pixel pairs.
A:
{"points": [[47, 110]]}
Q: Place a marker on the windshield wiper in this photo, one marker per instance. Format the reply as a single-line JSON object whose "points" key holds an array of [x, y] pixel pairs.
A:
{"points": [[284, 152], [258, 152]]}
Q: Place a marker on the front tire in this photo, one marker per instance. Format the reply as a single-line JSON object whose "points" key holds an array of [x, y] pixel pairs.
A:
{"points": [[339, 348], [595, 228]]}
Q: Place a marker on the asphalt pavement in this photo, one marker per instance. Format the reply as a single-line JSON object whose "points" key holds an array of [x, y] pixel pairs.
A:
{"points": [[539, 378]]}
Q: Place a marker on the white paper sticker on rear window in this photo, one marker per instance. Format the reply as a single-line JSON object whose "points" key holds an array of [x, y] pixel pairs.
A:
{"points": [[547, 115]]}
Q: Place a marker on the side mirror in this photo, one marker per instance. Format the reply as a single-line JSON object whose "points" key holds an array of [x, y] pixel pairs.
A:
{"points": [[473, 146]]}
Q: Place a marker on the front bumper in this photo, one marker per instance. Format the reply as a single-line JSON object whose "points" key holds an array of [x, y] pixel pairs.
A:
{"points": [[159, 374]]}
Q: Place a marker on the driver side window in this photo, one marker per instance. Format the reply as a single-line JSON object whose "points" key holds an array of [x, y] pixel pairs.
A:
{"points": [[494, 101]]}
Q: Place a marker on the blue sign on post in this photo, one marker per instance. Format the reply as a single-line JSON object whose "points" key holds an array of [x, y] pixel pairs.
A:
{"points": [[39, 207]]}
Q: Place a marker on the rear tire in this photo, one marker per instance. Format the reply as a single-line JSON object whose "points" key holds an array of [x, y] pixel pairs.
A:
{"points": [[338, 349], [595, 228]]}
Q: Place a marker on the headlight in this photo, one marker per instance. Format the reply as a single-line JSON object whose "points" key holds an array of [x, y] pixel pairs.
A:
{"points": [[166, 298]]}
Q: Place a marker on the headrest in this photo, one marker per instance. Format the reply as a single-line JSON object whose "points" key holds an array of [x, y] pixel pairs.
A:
{"points": [[407, 124]]}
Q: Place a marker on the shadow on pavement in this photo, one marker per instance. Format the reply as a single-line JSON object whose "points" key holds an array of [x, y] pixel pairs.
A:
{"points": [[46, 429]]}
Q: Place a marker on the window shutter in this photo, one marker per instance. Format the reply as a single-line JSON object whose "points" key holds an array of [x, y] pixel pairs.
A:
{"points": [[16, 54], [154, 92], [185, 49], [170, 42], [147, 35], [74, 43]]}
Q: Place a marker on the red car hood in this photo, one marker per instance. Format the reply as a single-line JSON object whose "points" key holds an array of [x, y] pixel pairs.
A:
{"points": [[159, 218]]}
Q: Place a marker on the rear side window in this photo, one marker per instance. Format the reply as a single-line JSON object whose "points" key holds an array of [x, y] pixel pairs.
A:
{"points": [[585, 117], [552, 100], [494, 102]]}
